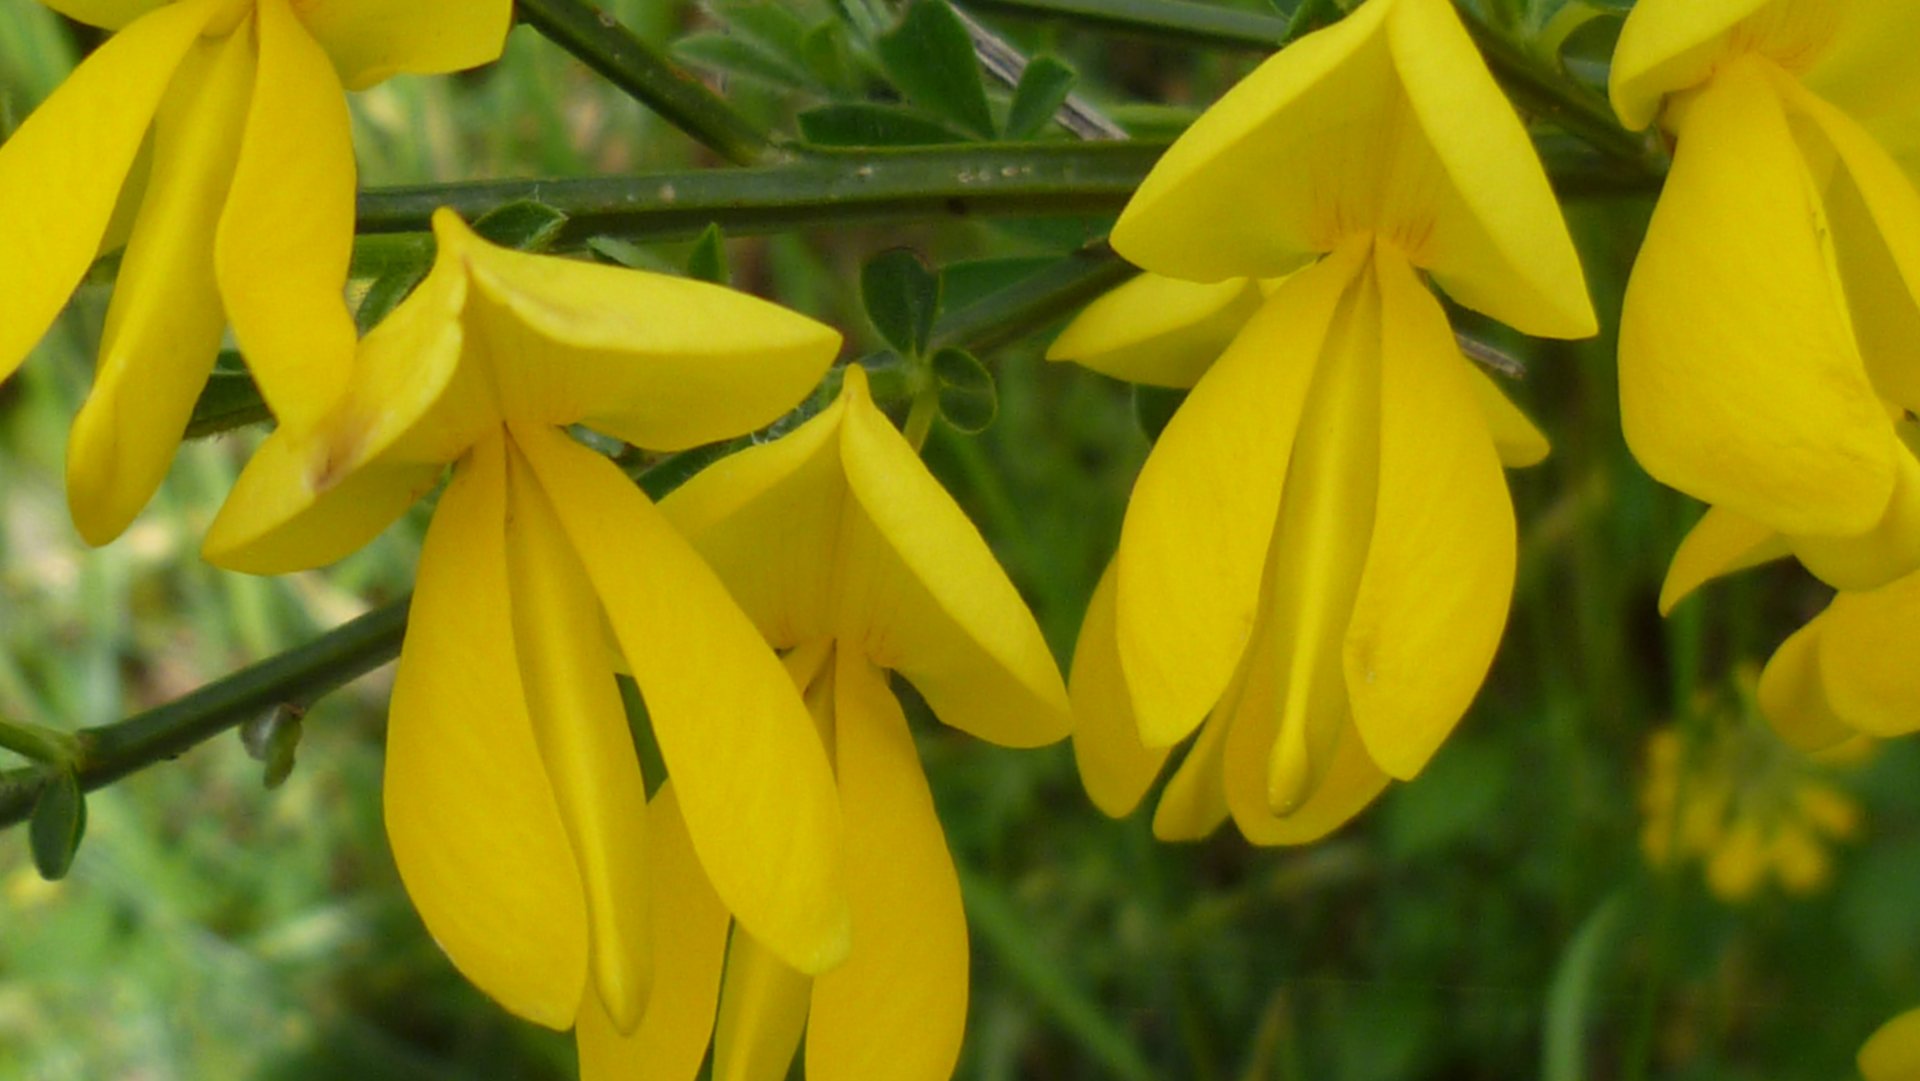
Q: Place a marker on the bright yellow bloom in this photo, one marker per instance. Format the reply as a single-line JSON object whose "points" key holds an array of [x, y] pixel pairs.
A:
{"points": [[853, 561], [514, 800], [1893, 1052], [1744, 805], [1319, 554], [242, 212], [1855, 668], [1768, 328]]}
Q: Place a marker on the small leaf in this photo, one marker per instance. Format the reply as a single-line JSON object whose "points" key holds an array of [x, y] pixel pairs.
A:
{"points": [[824, 50], [735, 56], [1153, 407], [1043, 88], [708, 262], [524, 225], [272, 738], [622, 252], [59, 821], [930, 58], [385, 294], [861, 123], [902, 296], [968, 397]]}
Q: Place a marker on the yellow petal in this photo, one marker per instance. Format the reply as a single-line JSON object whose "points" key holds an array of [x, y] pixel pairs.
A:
{"points": [[61, 172], [1387, 122], [1892, 1053], [1875, 213], [763, 1011], [370, 40], [165, 322], [1722, 542], [1793, 694], [1160, 331], [306, 499], [581, 728], [1515, 437], [1739, 380], [689, 928], [287, 235], [767, 520], [106, 14], [1669, 45], [931, 602], [471, 817], [1890, 550], [754, 782], [1868, 657], [1439, 573], [898, 1007], [1194, 802], [1114, 766], [1199, 524], [1864, 68], [661, 362]]}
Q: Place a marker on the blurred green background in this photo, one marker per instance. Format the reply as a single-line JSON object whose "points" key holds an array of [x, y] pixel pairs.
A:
{"points": [[1494, 919]]}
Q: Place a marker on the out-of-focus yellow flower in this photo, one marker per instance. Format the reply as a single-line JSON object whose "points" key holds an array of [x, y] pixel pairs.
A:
{"points": [[853, 561], [514, 800], [242, 212], [1318, 556], [1768, 328], [1744, 805], [1892, 1053]]}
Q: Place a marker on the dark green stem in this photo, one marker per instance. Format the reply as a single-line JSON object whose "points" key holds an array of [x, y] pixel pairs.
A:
{"points": [[1536, 86], [297, 677], [649, 75], [1034, 303], [822, 190]]}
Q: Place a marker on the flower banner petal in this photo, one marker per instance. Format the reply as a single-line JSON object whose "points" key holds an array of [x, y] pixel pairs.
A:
{"points": [[1890, 550], [753, 779], [581, 728], [763, 1012], [1439, 573], [286, 237], [165, 321], [1160, 331], [689, 928], [1669, 45], [370, 40], [1116, 768], [661, 362], [62, 170], [932, 603], [1722, 542], [1739, 380], [1194, 542], [898, 1007], [469, 810]]}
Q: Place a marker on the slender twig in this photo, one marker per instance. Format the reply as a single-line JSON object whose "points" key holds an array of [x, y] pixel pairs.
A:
{"points": [[37, 743], [1537, 88], [650, 76]]}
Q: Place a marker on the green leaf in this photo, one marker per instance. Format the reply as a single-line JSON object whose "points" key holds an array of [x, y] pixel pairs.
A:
{"points": [[902, 296], [930, 58], [228, 401], [1570, 997], [824, 50], [59, 821], [524, 225], [272, 738], [861, 123], [736, 56], [385, 294], [967, 281], [708, 261], [1153, 407], [1043, 88], [622, 252], [968, 398]]}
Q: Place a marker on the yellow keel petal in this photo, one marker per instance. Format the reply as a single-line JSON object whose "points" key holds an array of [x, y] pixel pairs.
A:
{"points": [[763, 1012], [1161, 331], [1116, 768]]}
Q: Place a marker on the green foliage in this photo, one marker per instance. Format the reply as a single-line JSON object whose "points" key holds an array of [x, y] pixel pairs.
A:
{"points": [[59, 821], [902, 297], [930, 58]]}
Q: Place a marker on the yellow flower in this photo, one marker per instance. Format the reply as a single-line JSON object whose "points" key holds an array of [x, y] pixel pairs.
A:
{"points": [[1744, 805], [242, 212], [514, 800], [1769, 319], [1318, 556], [1851, 669], [1892, 1053], [850, 559]]}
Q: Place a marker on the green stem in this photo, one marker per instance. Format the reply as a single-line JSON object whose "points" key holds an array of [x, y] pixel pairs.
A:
{"points": [[649, 76], [926, 404], [1535, 85], [37, 743], [825, 189], [109, 752], [1035, 303]]}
